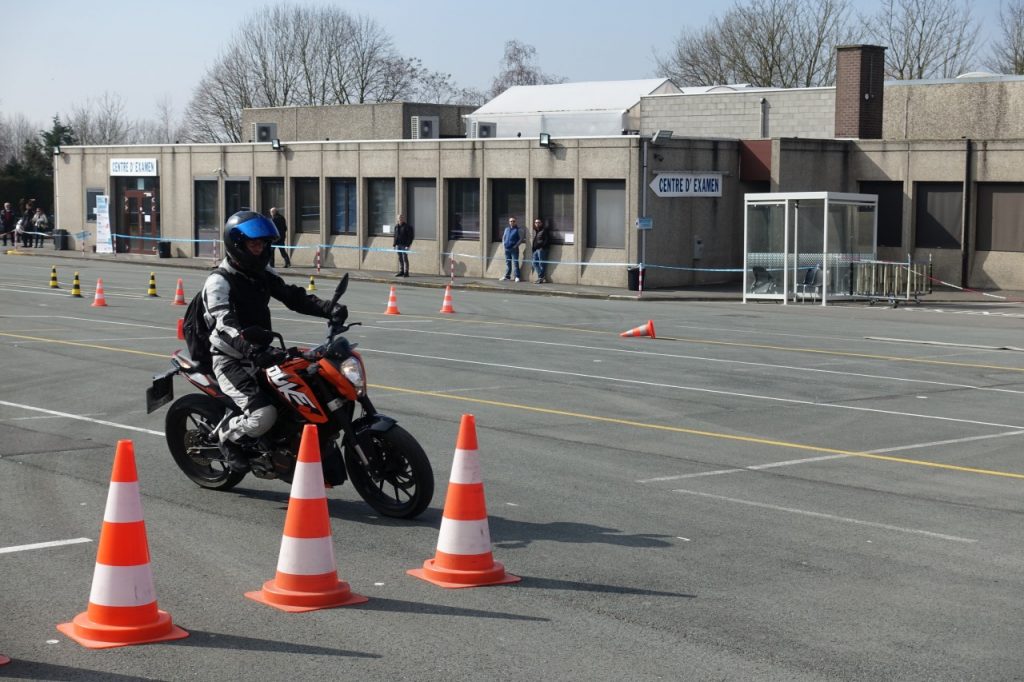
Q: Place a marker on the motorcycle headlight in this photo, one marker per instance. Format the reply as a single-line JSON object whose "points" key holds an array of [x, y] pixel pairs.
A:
{"points": [[352, 369]]}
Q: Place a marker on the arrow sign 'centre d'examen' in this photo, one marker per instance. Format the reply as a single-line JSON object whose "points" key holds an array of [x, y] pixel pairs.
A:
{"points": [[687, 184]]}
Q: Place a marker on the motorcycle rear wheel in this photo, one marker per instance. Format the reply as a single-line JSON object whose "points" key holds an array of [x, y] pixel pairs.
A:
{"points": [[401, 483], [189, 432]]}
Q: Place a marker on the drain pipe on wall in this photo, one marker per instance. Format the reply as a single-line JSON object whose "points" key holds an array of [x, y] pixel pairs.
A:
{"points": [[965, 216]]}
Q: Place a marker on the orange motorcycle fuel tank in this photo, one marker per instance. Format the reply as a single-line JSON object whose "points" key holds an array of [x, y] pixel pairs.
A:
{"points": [[294, 390]]}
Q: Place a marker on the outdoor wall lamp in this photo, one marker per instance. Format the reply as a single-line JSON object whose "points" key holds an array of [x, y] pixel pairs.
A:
{"points": [[661, 136], [545, 141], [56, 150], [275, 144]]}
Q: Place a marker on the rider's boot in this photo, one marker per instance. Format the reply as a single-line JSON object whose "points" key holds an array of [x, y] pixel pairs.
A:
{"points": [[234, 456]]}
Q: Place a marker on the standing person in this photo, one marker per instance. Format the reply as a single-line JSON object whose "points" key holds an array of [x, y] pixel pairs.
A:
{"points": [[236, 296], [27, 213], [541, 241], [510, 239], [7, 221], [282, 229], [40, 226], [404, 235]]}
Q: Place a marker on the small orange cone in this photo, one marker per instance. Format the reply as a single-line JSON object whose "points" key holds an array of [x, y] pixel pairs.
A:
{"points": [[179, 294], [642, 330], [307, 576], [99, 300], [464, 557], [181, 328], [122, 603], [392, 304], [446, 305]]}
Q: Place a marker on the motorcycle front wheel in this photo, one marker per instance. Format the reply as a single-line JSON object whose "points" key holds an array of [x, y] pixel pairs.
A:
{"points": [[190, 438], [399, 481]]}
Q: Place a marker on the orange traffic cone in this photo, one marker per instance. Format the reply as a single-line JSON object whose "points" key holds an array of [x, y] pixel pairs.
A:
{"points": [[307, 576], [446, 305], [181, 328], [464, 556], [99, 300], [122, 603], [642, 330], [179, 294], [392, 304]]}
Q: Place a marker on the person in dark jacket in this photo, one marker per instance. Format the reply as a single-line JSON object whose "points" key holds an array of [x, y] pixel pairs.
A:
{"points": [[236, 296], [7, 221], [510, 239], [282, 229], [539, 247], [404, 235]]}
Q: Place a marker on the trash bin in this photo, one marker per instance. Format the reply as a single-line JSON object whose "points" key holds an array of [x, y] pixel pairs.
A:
{"points": [[163, 249], [633, 278], [61, 240]]}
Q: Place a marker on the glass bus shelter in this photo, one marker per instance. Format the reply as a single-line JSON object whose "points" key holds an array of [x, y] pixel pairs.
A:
{"points": [[799, 246]]}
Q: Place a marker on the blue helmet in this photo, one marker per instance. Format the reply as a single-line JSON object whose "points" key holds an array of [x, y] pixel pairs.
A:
{"points": [[243, 226]]}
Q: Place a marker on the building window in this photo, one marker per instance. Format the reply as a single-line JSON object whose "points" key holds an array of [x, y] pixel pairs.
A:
{"points": [[939, 206], [556, 208], [508, 200], [206, 226], [306, 197], [1001, 216], [90, 204], [890, 210], [464, 209], [343, 206], [421, 207], [380, 205], [271, 195], [606, 214], [236, 196]]}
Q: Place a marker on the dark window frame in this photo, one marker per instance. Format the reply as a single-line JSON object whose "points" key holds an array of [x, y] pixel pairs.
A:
{"points": [[463, 212], [348, 216], [387, 214], [309, 223], [614, 233], [938, 215]]}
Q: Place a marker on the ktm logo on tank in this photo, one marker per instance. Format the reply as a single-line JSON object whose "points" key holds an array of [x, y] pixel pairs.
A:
{"points": [[289, 389]]}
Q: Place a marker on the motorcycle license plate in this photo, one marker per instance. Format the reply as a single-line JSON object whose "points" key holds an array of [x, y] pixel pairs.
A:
{"points": [[161, 392]]}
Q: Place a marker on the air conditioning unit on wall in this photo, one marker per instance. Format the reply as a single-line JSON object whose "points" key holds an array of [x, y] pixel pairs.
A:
{"points": [[483, 129], [425, 127], [264, 132]]}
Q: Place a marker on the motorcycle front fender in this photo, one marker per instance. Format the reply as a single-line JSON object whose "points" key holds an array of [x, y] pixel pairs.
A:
{"points": [[380, 423]]}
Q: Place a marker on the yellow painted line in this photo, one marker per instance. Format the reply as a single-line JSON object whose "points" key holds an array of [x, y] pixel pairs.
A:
{"points": [[705, 434], [607, 420], [166, 356]]}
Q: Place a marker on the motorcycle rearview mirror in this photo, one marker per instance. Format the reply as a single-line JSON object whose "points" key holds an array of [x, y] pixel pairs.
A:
{"points": [[258, 336], [342, 286]]}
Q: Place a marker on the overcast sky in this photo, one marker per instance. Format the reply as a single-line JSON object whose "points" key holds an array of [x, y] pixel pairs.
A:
{"points": [[58, 53]]}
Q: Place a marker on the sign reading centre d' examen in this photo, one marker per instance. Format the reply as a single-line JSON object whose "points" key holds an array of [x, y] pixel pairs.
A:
{"points": [[133, 167], [687, 184]]}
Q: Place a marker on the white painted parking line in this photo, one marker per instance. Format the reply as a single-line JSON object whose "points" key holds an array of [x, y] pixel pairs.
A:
{"points": [[828, 517], [79, 417], [808, 460], [43, 545]]}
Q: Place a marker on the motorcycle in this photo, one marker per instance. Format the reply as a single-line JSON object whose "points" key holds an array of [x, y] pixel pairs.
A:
{"points": [[321, 386]]}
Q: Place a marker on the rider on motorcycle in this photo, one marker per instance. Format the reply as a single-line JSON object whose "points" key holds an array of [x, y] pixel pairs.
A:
{"points": [[236, 297]]}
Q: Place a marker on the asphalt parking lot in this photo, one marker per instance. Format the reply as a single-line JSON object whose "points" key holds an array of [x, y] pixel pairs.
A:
{"points": [[761, 492]]}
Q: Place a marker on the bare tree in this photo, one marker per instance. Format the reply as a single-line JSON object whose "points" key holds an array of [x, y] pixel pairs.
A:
{"points": [[1006, 54], [518, 67], [101, 121], [164, 129], [287, 55], [924, 38], [768, 43], [15, 131]]}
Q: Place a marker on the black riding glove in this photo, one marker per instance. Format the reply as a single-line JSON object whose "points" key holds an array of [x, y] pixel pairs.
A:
{"points": [[339, 314], [268, 357]]}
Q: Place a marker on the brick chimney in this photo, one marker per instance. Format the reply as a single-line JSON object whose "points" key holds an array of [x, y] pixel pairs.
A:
{"points": [[860, 73]]}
